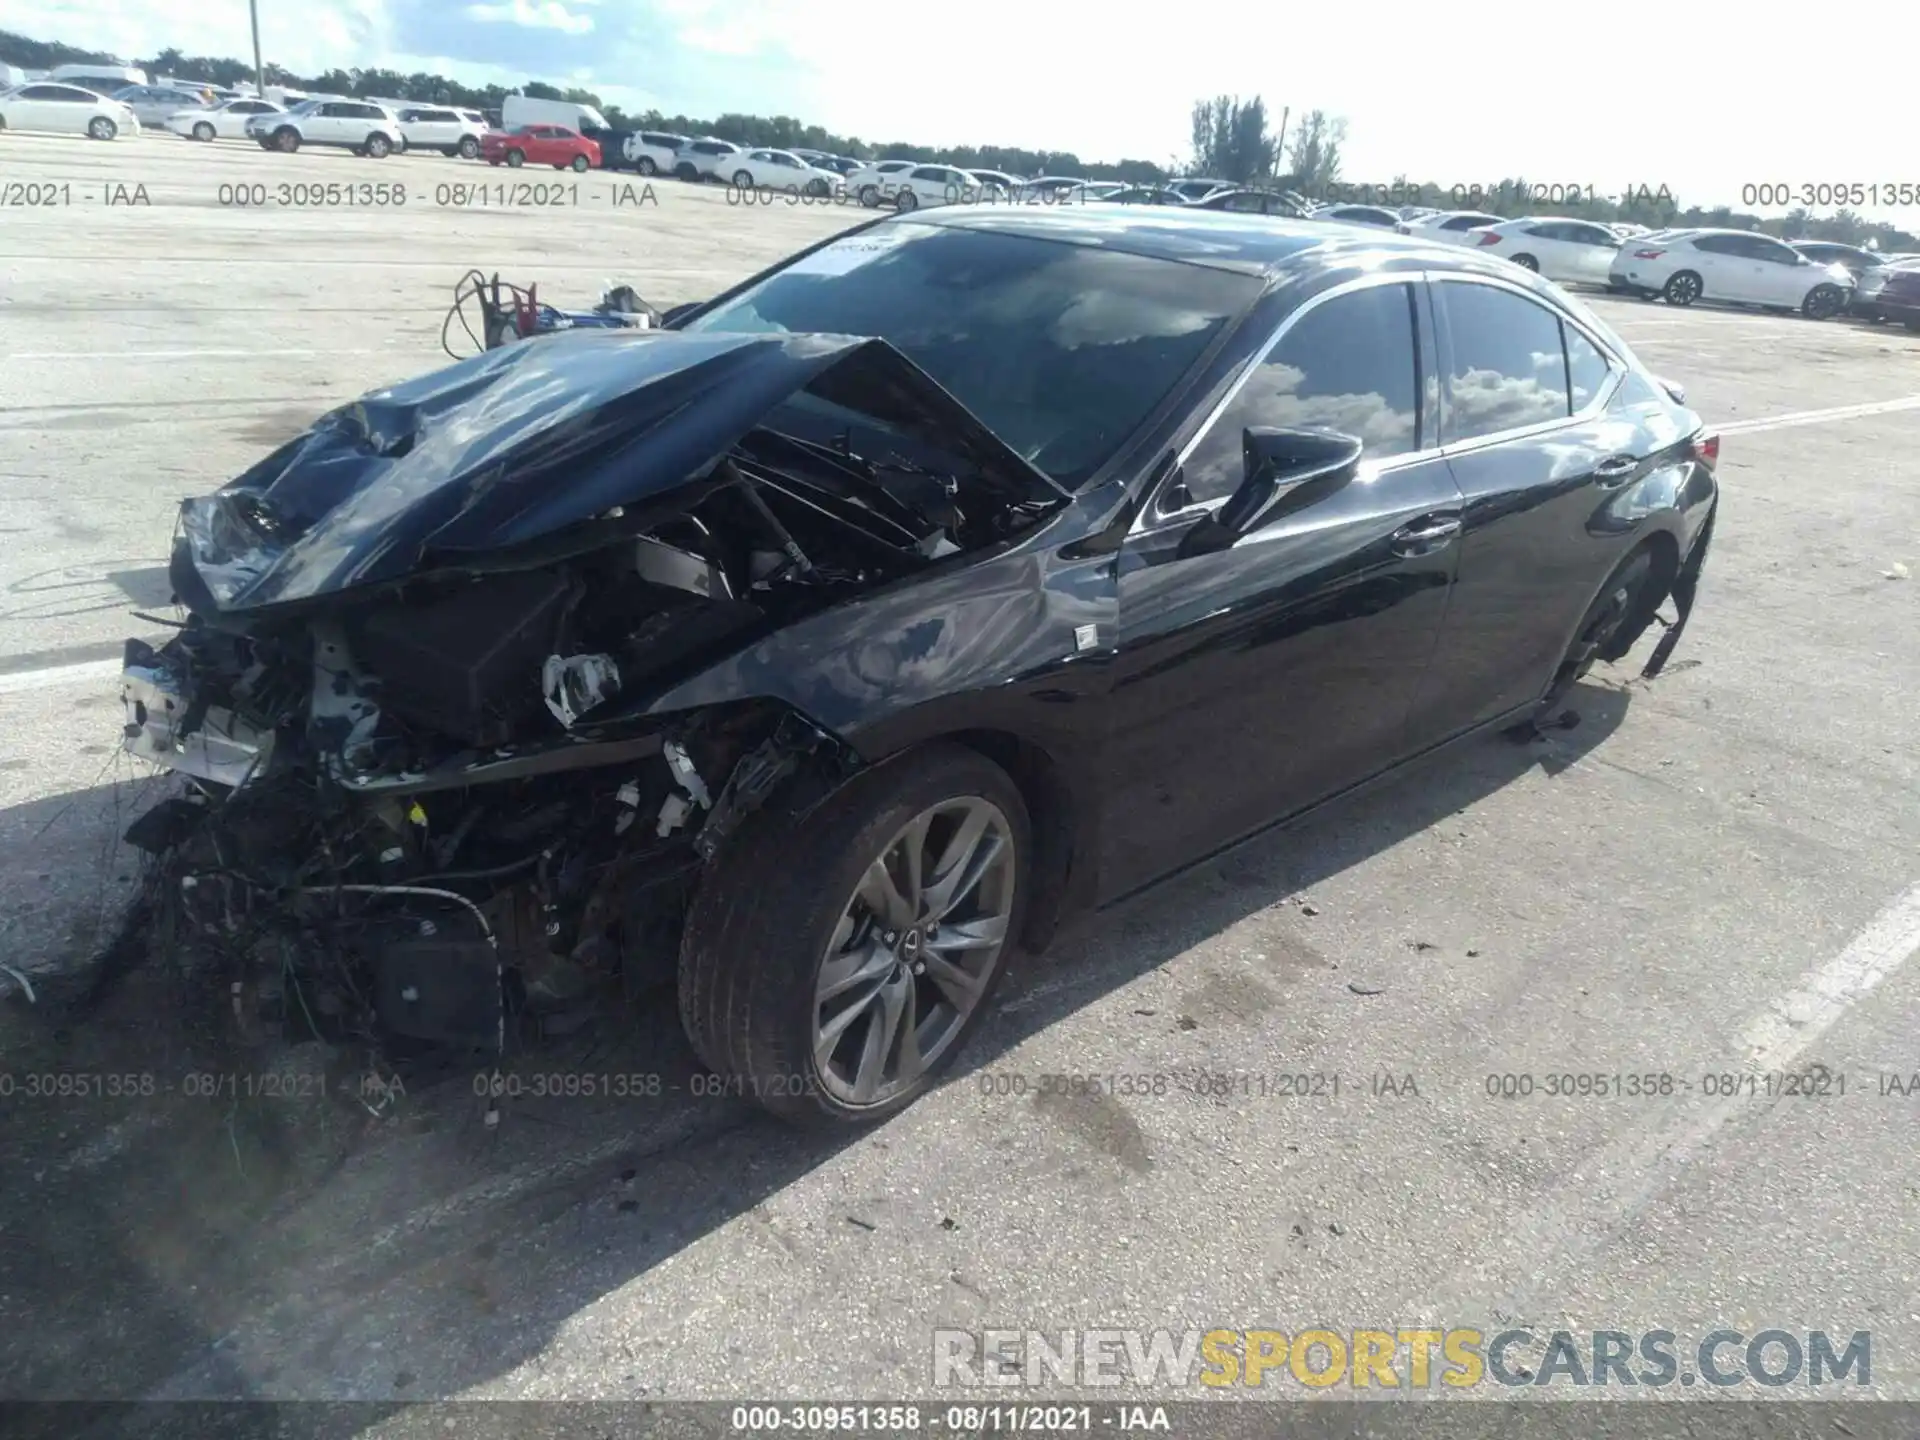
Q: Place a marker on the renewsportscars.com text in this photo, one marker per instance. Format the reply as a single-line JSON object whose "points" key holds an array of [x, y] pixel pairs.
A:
{"points": [[1399, 1358]]}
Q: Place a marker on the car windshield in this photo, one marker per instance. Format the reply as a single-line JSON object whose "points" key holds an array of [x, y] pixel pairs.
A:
{"points": [[1060, 349]]}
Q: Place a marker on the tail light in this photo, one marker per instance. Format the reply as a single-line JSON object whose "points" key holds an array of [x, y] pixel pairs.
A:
{"points": [[1648, 254], [1490, 237], [1706, 448]]}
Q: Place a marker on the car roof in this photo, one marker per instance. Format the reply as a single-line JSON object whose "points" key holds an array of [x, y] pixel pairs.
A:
{"points": [[1550, 220], [1259, 245]]}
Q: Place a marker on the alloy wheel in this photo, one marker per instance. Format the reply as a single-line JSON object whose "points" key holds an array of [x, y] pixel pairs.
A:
{"points": [[1823, 303], [913, 950], [1684, 288]]}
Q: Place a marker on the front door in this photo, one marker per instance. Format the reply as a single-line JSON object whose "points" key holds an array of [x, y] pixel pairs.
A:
{"points": [[1251, 682]]}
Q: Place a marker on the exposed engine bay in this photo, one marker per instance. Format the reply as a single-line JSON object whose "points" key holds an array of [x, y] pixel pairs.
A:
{"points": [[410, 697]]}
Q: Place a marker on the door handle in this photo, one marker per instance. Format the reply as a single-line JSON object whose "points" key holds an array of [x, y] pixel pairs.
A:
{"points": [[1615, 470], [1423, 537]]}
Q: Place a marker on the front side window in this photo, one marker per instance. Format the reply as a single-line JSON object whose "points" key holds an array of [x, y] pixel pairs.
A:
{"points": [[1348, 364], [1509, 367], [1062, 350]]}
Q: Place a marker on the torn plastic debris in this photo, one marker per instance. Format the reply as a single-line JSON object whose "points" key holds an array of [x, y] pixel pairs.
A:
{"points": [[577, 683], [683, 769]]}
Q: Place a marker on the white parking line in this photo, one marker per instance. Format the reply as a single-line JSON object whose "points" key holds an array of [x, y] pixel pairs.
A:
{"points": [[1560, 1238], [87, 671], [1820, 417]]}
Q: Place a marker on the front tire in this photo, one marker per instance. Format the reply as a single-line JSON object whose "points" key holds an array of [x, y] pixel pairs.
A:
{"points": [[203, 132], [101, 128], [870, 196], [1682, 289], [286, 140], [832, 968], [516, 158], [646, 166], [906, 200], [1823, 302]]}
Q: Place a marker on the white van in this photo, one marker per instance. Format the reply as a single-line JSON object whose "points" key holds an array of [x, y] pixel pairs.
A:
{"points": [[105, 80], [518, 110]]}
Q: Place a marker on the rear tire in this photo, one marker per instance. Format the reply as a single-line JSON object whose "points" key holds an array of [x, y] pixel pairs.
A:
{"points": [[468, 148], [377, 147], [784, 899], [1620, 600], [1682, 289], [1527, 262], [101, 128]]}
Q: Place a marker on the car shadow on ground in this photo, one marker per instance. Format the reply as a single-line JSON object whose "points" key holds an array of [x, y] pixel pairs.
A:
{"points": [[231, 1243]]}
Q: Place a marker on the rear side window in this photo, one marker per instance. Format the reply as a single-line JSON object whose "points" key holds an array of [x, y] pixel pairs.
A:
{"points": [[1509, 367], [1587, 369], [1349, 364]]}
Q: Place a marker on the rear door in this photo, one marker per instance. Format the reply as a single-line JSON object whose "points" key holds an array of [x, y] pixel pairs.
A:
{"points": [[1251, 682], [1539, 457], [232, 121], [1728, 271]]}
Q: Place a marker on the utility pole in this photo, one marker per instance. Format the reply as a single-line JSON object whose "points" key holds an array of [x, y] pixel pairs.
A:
{"points": [[259, 70], [1280, 145]]}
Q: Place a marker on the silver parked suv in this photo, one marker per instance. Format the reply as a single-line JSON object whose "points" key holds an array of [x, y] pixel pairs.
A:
{"points": [[356, 125]]}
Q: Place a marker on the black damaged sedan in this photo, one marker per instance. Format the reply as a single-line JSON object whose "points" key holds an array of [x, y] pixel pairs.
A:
{"points": [[823, 651]]}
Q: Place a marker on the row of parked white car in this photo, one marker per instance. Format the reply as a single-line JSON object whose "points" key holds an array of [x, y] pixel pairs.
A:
{"points": [[57, 107], [1819, 279]]}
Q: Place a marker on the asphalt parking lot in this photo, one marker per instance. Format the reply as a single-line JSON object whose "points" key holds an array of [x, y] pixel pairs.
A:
{"points": [[1716, 871]]}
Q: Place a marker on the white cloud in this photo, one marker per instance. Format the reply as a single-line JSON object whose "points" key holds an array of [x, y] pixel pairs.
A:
{"points": [[545, 15]]}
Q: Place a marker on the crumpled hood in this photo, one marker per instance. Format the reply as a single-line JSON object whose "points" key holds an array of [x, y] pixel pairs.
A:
{"points": [[517, 443]]}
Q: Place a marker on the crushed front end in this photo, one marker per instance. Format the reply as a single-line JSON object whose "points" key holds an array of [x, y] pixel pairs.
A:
{"points": [[426, 795]]}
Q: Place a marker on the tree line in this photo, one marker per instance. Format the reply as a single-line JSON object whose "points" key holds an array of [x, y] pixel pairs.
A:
{"points": [[1233, 139]]}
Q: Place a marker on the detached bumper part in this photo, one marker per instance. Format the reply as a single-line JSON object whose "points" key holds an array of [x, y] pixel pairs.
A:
{"points": [[163, 729]]}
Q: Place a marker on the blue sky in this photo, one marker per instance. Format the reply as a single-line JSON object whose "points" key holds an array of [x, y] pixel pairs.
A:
{"points": [[1454, 94]]}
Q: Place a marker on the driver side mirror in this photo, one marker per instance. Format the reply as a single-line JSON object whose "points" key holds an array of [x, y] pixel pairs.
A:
{"points": [[1282, 469]]}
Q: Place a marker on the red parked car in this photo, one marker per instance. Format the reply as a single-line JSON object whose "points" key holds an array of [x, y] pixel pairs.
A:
{"points": [[553, 145]]}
